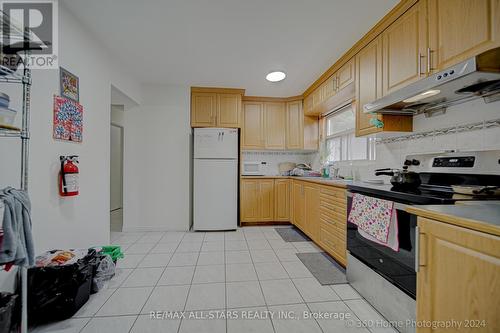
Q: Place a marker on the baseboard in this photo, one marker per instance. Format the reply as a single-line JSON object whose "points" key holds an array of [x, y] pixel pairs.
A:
{"points": [[150, 229], [255, 224]]}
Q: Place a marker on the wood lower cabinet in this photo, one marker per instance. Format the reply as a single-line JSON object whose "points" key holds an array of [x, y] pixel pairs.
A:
{"points": [[321, 213], [282, 200], [265, 200], [458, 277], [460, 29], [257, 200], [298, 205], [216, 107], [333, 222], [311, 204]]}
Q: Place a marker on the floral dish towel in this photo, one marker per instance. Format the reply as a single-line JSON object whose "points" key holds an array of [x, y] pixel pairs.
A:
{"points": [[376, 220]]}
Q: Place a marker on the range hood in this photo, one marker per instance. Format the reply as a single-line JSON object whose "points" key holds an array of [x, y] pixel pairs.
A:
{"points": [[471, 79]]}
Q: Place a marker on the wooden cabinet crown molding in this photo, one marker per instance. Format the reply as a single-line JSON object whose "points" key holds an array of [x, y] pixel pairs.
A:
{"points": [[271, 99], [217, 90]]}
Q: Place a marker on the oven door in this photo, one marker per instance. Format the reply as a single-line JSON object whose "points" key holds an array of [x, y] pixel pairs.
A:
{"points": [[396, 267]]}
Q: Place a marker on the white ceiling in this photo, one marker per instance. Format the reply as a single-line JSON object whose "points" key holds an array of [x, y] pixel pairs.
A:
{"points": [[229, 43]]}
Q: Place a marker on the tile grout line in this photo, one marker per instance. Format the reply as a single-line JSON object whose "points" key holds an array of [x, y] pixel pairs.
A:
{"points": [[191, 284], [305, 303], [153, 289], [258, 279]]}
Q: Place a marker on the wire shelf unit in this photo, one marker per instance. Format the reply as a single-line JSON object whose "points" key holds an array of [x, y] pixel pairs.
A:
{"points": [[21, 76]]}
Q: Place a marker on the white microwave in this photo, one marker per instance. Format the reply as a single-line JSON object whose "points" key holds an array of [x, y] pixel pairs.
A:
{"points": [[251, 168]]}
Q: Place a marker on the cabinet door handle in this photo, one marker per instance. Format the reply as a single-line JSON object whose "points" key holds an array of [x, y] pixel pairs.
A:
{"points": [[420, 248], [429, 63], [420, 56]]}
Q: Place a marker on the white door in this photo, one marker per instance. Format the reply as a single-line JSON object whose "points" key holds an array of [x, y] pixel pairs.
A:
{"points": [[215, 194], [116, 168], [215, 143]]}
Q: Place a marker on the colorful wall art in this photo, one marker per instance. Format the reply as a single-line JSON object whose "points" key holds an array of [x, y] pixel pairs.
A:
{"points": [[68, 119], [69, 85]]}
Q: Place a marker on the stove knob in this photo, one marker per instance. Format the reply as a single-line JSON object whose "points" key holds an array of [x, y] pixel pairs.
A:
{"points": [[407, 162], [415, 162]]}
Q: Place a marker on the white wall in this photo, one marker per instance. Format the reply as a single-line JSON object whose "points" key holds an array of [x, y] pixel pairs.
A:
{"points": [[157, 161], [82, 221]]}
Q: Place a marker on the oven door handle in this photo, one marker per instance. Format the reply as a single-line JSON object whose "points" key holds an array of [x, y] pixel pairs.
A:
{"points": [[397, 205]]}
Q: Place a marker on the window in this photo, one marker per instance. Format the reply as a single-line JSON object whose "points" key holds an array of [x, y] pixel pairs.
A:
{"points": [[341, 142]]}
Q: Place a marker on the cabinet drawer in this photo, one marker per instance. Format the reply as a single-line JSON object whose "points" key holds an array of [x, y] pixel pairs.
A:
{"points": [[332, 242], [340, 228], [339, 218], [333, 192], [339, 208]]}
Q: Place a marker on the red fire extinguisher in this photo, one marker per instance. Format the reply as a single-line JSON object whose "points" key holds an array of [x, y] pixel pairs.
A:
{"points": [[68, 176]]}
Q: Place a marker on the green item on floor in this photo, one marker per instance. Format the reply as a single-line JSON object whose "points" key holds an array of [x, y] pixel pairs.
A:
{"points": [[114, 251]]}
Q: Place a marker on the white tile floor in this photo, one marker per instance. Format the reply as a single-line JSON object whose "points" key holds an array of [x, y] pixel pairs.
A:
{"points": [[251, 271]]}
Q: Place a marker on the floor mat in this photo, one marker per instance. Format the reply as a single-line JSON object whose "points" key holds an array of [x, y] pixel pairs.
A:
{"points": [[323, 267], [292, 235]]}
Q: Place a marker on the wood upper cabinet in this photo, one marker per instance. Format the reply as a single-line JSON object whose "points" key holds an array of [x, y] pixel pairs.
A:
{"points": [[369, 88], [460, 29], [275, 123], [368, 84], [282, 200], [458, 277], [404, 47], [311, 133], [228, 110], [345, 75], [308, 105], [215, 107], [253, 125], [298, 205], [257, 200], [294, 125], [203, 109]]}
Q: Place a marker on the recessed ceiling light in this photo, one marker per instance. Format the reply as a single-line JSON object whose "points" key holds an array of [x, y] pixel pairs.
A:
{"points": [[275, 76], [422, 96]]}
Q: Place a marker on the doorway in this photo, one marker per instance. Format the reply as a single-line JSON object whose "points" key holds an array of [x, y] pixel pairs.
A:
{"points": [[116, 176]]}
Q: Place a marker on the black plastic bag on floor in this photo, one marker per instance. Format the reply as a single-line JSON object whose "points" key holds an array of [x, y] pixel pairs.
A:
{"points": [[104, 270], [8, 311], [58, 292]]}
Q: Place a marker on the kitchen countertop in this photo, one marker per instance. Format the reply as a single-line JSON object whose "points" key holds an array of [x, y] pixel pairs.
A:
{"points": [[479, 215], [318, 180]]}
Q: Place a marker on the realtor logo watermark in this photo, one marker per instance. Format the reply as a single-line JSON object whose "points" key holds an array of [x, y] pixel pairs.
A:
{"points": [[33, 26]]}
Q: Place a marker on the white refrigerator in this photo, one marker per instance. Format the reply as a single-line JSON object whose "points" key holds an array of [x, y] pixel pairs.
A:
{"points": [[215, 179]]}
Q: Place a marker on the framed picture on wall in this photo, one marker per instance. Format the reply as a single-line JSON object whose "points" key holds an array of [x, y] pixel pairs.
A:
{"points": [[69, 85], [68, 120]]}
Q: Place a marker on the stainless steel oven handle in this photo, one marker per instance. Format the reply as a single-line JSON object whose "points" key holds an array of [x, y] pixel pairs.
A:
{"points": [[417, 241], [397, 205]]}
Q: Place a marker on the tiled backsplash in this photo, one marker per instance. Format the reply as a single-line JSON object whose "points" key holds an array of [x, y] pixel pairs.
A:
{"points": [[274, 158], [392, 155]]}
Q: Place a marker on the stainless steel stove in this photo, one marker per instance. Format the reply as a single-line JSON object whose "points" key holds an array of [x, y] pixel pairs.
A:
{"points": [[387, 279]]}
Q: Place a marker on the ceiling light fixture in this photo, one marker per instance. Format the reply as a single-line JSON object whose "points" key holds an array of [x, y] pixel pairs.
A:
{"points": [[422, 96], [275, 76]]}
